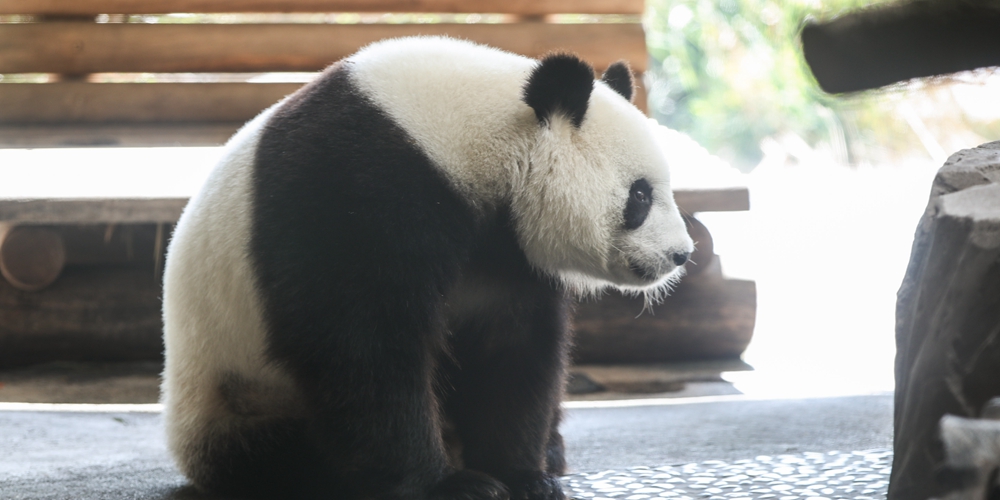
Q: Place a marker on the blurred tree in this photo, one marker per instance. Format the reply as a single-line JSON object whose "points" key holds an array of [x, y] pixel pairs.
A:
{"points": [[730, 73]]}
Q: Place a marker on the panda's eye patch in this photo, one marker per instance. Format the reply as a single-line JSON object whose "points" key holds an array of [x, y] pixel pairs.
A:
{"points": [[640, 199]]}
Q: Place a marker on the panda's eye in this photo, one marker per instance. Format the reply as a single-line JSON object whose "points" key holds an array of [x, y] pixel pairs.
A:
{"points": [[640, 199]]}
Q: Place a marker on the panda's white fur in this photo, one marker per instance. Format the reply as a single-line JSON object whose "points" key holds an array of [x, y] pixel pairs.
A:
{"points": [[211, 308], [566, 188], [568, 207]]}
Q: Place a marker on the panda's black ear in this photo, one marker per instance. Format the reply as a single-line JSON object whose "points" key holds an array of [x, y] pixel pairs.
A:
{"points": [[618, 76], [561, 84]]}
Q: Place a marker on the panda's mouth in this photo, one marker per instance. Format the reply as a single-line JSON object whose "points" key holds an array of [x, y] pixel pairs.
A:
{"points": [[643, 272]]}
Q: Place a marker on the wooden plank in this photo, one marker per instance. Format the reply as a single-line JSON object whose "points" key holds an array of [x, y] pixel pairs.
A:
{"points": [[713, 200], [91, 210], [165, 103], [123, 135], [97, 210], [137, 102], [81, 48], [522, 7]]}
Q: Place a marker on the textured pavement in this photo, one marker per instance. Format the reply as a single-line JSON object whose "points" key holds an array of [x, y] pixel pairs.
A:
{"points": [[859, 475], [729, 445]]}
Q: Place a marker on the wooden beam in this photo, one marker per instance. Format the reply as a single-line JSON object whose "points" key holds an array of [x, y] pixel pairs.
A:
{"points": [[82, 48], [78, 102], [101, 210], [91, 210], [90, 313], [116, 134], [713, 200], [165, 103], [522, 7]]}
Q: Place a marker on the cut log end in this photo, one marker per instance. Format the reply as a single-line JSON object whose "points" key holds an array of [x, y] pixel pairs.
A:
{"points": [[31, 258]]}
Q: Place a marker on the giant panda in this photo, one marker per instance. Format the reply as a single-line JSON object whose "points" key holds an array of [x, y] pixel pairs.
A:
{"points": [[369, 296]]}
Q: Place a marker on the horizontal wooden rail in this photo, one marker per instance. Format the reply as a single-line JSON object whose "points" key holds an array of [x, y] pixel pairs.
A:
{"points": [[163, 103], [522, 7], [133, 135], [91, 210], [712, 199], [77, 102], [166, 210], [81, 48]]}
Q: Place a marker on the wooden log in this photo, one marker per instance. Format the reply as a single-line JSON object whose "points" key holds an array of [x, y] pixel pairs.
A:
{"points": [[31, 258], [91, 210], [134, 245], [947, 317], [89, 314], [713, 200], [102, 313], [126, 135], [82, 102], [161, 103], [82, 48], [167, 210], [521, 7], [897, 41], [706, 317]]}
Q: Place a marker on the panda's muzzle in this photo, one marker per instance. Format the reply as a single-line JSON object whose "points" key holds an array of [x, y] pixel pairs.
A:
{"points": [[643, 272], [655, 272]]}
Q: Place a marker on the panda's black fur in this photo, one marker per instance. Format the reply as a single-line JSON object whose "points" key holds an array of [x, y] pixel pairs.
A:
{"points": [[411, 348], [411, 241]]}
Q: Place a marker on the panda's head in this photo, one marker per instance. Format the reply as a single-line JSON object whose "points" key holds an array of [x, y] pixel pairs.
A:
{"points": [[594, 206]]}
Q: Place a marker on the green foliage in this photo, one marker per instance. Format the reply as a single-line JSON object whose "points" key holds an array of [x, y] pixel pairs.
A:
{"points": [[730, 73]]}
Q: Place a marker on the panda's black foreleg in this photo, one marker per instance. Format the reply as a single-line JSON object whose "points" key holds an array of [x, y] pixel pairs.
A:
{"points": [[374, 415], [506, 385], [369, 386], [555, 451]]}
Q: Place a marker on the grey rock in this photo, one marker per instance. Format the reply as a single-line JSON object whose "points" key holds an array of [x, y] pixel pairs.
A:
{"points": [[947, 317]]}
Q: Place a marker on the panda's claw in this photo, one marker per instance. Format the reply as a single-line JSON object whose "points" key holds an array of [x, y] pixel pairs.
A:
{"points": [[535, 485], [469, 485]]}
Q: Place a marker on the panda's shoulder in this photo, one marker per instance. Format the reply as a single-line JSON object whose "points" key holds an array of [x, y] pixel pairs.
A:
{"points": [[407, 71], [419, 51], [460, 103]]}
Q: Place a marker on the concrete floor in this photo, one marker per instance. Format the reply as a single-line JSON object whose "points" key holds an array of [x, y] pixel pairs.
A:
{"points": [[60, 438], [84, 455]]}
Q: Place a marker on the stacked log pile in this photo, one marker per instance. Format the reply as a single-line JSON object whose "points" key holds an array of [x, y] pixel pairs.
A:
{"points": [[104, 306]]}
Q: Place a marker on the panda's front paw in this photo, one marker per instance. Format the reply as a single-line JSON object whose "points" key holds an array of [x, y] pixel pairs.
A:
{"points": [[535, 485], [469, 485]]}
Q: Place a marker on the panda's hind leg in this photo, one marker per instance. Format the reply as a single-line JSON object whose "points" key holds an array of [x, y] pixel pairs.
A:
{"points": [[255, 444], [269, 458]]}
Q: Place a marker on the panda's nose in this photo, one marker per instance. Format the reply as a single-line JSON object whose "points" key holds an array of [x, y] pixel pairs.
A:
{"points": [[680, 258]]}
